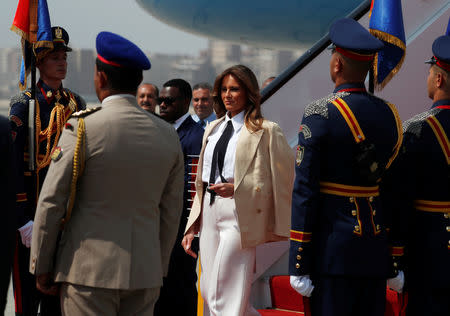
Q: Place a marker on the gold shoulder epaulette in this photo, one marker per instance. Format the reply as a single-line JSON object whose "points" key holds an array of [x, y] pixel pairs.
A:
{"points": [[86, 112]]}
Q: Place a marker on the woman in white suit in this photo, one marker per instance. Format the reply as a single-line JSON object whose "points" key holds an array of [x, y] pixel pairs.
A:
{"points": [[243, 193]]}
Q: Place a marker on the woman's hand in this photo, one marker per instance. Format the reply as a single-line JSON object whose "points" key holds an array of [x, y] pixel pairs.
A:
{"points": [[223, 189], [187, 242]]}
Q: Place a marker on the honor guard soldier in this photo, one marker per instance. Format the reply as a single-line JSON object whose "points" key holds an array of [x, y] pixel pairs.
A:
{"points": [[421, 176], [54, 105], [339, 252], [115, 184]]}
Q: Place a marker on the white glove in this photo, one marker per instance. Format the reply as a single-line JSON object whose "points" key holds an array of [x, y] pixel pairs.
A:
{"points": [[397, 283], [302, 284], [26, 231]]}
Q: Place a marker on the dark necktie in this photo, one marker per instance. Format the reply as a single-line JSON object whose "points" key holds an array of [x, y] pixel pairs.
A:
{"points": [[219, 157], [202, 123]]}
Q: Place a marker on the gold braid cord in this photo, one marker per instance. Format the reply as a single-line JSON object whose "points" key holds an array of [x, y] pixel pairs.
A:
{"points": [[398, 123], [56, 117], [78, 167]]}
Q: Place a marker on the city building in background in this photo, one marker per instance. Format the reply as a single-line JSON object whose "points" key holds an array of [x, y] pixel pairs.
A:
{"points": [[203, 67]]}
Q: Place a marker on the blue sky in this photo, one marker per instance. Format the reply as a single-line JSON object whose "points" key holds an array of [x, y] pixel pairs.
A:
{"points": [[83, 19]]}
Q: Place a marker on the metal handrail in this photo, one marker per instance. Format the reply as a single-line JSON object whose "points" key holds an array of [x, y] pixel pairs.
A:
{"points": [[309, 56]]}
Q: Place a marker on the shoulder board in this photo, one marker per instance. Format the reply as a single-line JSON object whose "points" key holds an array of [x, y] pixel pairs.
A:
{"points": [[22, 98], [320, 107], [86, 112], [415, 124]]}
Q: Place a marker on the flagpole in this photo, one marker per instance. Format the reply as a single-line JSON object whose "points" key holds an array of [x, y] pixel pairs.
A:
{"points": [[371, 80], [32, 115]]}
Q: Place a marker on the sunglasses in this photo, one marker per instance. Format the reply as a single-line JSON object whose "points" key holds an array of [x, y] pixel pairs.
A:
{"points": [[167, 101]]}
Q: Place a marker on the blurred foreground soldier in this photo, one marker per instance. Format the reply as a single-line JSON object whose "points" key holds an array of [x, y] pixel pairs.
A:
{"points": [[7, 196], [339, 251], [180, 283], [121, 169], [147, 96], [54, 105], [425, 194], [202, 102]]}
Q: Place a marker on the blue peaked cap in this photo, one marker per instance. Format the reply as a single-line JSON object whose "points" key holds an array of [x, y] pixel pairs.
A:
{"points": [[117, 51], [350, 35], [441, 52]]}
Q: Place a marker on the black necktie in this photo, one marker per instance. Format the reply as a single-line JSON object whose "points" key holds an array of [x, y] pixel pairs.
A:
{"points": [[202, 123], [219, 157]]}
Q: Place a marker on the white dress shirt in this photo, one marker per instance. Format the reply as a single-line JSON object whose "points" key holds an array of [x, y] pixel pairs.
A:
{"points": [[230, 154], [180, 121], [207, 120]]}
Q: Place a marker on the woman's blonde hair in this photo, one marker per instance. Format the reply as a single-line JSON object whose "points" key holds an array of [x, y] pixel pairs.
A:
{"points": [[247, 80]]}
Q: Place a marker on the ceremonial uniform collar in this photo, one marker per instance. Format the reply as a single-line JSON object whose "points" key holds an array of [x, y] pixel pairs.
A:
{"points": [[48, 92], [117, 96], [441, 104], [351, 87]]}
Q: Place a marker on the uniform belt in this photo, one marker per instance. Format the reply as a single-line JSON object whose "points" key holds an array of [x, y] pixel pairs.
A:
{"points": [[348, 190], [432, 206]]}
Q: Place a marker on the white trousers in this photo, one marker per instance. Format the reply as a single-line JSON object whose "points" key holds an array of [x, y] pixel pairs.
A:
{"points": [[227, 270]]}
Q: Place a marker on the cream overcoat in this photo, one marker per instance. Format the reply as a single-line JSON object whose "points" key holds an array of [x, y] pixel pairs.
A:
{"points": [[263, 182]]}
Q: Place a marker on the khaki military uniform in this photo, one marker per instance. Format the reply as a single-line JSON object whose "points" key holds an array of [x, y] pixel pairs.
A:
{"points": [[127, 206]]}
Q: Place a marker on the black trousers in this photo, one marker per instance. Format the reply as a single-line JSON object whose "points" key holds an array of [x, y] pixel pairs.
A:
{"points": [[178, 294], [424, 299], [348, 296], [27, 296]]}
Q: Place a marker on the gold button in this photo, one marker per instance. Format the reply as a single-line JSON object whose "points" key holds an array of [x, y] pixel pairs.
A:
{"points": [[374, 212], [258, 189], [34, 259], [448, 228], [357, 228], [446, 215], [32, 266], [299, 257], [297, 265], [371, 199], [395, 264], [378, 227], [300, 249], [354, 212], [351, 199]]}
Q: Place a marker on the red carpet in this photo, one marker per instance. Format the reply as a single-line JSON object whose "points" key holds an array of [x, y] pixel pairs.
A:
{"points": [[287, 302]]}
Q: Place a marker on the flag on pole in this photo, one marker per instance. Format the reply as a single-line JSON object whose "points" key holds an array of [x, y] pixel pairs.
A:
{"points": [[386, 23], [32, 23]]}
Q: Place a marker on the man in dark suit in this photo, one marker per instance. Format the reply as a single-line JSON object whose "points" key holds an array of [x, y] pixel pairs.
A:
{"points": [[179, 285], [7, 198]]}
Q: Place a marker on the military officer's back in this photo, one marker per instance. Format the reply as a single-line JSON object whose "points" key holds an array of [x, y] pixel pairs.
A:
{"points": [[127, 199], [346, 141], [421, 177]]}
